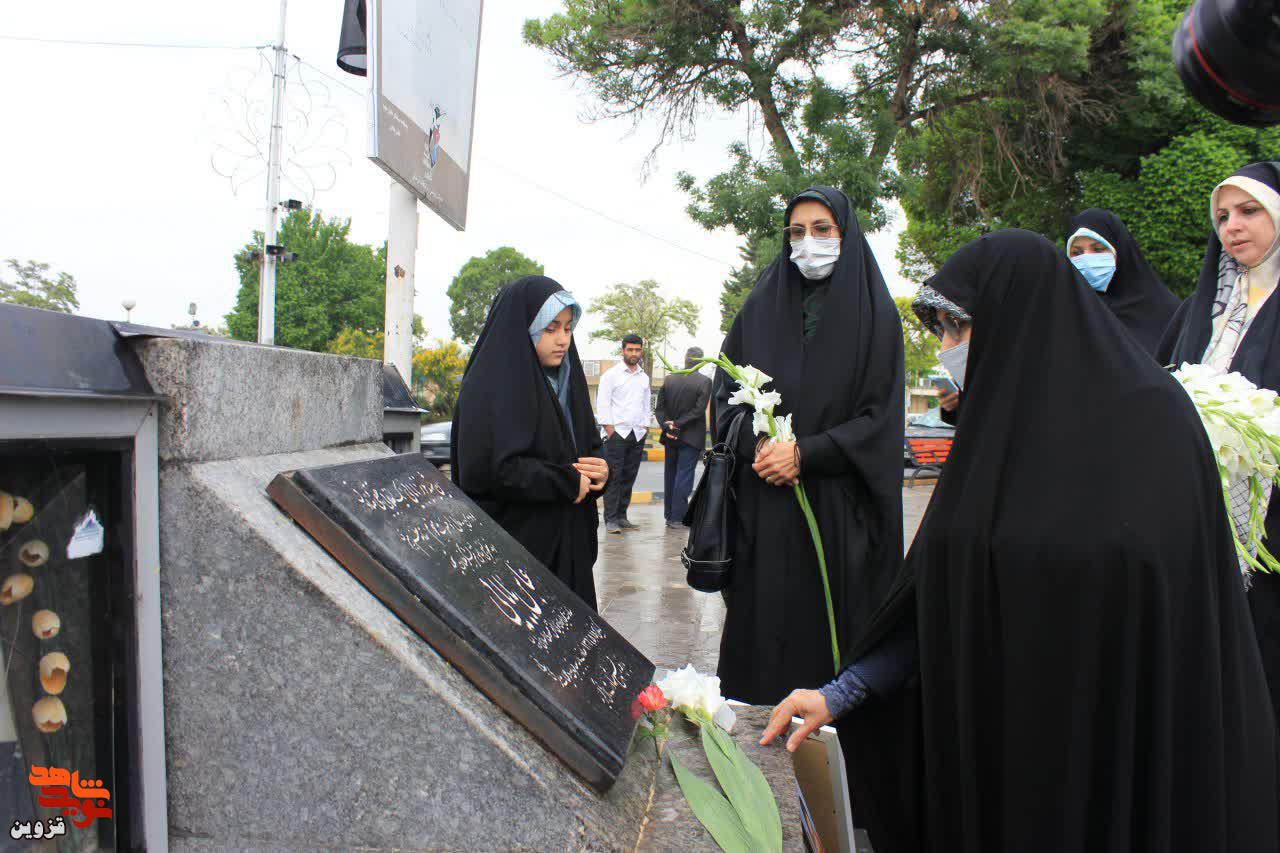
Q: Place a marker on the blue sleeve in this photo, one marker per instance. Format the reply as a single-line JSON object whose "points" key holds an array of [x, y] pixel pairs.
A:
{"points": [[880, 672]]}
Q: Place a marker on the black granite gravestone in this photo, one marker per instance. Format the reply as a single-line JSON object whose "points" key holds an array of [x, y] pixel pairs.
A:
{"points": [[480, 599]]}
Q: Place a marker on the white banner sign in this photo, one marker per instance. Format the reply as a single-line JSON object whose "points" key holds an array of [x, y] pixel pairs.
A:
{"points": [[423, 60]]}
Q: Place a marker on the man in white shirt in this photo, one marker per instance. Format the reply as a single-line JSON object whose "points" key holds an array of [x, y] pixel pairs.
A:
{"points": [[622, 410]]}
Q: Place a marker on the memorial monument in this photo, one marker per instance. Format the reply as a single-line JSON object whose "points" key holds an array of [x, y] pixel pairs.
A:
{"points": [[389, 671], [449, 694]]}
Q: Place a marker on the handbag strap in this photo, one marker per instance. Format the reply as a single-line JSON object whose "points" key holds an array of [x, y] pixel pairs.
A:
{"points": [[735, 429], [731, 441]]}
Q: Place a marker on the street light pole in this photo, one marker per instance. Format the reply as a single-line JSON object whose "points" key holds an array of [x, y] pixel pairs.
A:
{"points": [[402, 247], [267, 281]]}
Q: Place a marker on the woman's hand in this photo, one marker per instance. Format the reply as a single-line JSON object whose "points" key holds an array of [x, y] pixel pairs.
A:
{"points": [[776, 464], [949, 401], [807, 704], [584, 487], [596, 470]]}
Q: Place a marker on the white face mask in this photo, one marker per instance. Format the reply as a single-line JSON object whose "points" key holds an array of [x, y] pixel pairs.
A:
{"points": [[815, 257], [954, 361]]}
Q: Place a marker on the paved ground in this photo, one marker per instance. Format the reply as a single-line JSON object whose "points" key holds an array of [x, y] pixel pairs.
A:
{"points": [[642, 591], [650, 477]]}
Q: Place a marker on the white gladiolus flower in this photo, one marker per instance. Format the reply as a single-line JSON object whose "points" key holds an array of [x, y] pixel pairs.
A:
{"points": [[760, 423], [761, 401], [767, 400], [743, 396], [686, 688], [753, 377]]}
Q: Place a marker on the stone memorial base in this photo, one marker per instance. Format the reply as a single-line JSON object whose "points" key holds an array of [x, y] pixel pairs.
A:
{"points": [[301, 713]]}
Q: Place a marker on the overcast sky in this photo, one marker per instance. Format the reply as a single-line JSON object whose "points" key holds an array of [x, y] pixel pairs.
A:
{"points": [[108, 162]]}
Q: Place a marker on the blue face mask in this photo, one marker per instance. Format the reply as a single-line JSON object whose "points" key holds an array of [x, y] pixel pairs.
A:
{"points": [[1097, 268]]}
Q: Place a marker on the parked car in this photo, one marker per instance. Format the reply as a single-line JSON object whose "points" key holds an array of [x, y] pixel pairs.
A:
{"points": [[927, 425], [436, 439]]}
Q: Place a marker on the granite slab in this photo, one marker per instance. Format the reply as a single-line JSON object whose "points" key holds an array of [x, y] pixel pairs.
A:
{"points": [[482, 600]]}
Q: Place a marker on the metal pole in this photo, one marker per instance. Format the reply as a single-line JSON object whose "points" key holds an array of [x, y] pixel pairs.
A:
{"points": [[402, 245], [267, 282]]}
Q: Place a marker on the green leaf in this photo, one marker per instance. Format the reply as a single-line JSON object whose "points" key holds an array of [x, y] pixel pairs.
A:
{"points": [[732, 781], [748, 790], [713, 811]]}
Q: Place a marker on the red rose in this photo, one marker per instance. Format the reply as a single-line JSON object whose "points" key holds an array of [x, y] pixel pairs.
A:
{"points": [[651, 698]]}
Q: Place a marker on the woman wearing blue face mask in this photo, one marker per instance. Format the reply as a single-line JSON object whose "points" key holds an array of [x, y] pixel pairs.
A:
{"points": [[1108, 258]]}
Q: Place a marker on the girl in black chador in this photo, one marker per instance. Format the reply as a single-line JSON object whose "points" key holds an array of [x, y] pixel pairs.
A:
{"points": [[1066, 663], [525, 444], [822, 324]]}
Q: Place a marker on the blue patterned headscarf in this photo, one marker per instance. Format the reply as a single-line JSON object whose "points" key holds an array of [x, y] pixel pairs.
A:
{"points": [[559, 379], [555, 303]]}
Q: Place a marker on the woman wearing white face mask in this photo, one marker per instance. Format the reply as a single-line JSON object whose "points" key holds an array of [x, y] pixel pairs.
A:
{"points": [[821, 323], [1233, 323]]}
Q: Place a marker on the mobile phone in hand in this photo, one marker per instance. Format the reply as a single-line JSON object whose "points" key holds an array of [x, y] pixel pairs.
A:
{"points": [[945, 384]]}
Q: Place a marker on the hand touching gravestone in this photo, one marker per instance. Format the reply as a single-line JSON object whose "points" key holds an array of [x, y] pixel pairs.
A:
{"points": [[481, 600]]}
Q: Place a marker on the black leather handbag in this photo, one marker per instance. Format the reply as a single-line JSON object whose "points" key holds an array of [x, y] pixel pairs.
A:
{"points": [[712, 517]]}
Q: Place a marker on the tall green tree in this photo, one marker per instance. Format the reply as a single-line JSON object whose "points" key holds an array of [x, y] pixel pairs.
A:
{"points": [[1140, 146], [34, 287], [899, 66], [334, 284], [757, 254], [474, 287], [641, 310], [975, 115]]}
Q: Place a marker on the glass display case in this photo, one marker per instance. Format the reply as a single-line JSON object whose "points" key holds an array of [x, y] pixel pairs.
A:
{"points": [[81, 691], [66, 620]]}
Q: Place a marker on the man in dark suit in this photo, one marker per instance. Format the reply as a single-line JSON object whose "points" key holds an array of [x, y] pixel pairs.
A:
{"points": [[682, 412]]}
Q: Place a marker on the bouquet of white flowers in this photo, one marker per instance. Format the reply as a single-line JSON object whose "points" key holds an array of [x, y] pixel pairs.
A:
{"points": [[751, 382], [1243, 423]]}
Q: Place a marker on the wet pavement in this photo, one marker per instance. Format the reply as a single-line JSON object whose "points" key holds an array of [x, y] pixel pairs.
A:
{"points": [[641, 589]]}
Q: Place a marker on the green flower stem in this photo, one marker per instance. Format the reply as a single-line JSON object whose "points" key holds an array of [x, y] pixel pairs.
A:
{"points": [[822, 570]]}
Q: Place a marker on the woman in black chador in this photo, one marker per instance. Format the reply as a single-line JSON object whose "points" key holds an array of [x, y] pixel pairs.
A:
{"points": [[1232, 322], [1066, 663], [821, 322], [1108, 257], [525, 444]]}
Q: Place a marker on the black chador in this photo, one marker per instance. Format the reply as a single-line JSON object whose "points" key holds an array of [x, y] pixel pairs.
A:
{"points": [[1088, 677], [843, 384], [1136, 295], [514, 447]]}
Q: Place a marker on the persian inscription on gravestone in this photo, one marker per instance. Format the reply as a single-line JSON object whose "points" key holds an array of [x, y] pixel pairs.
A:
{"points": [[472, 591]]}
